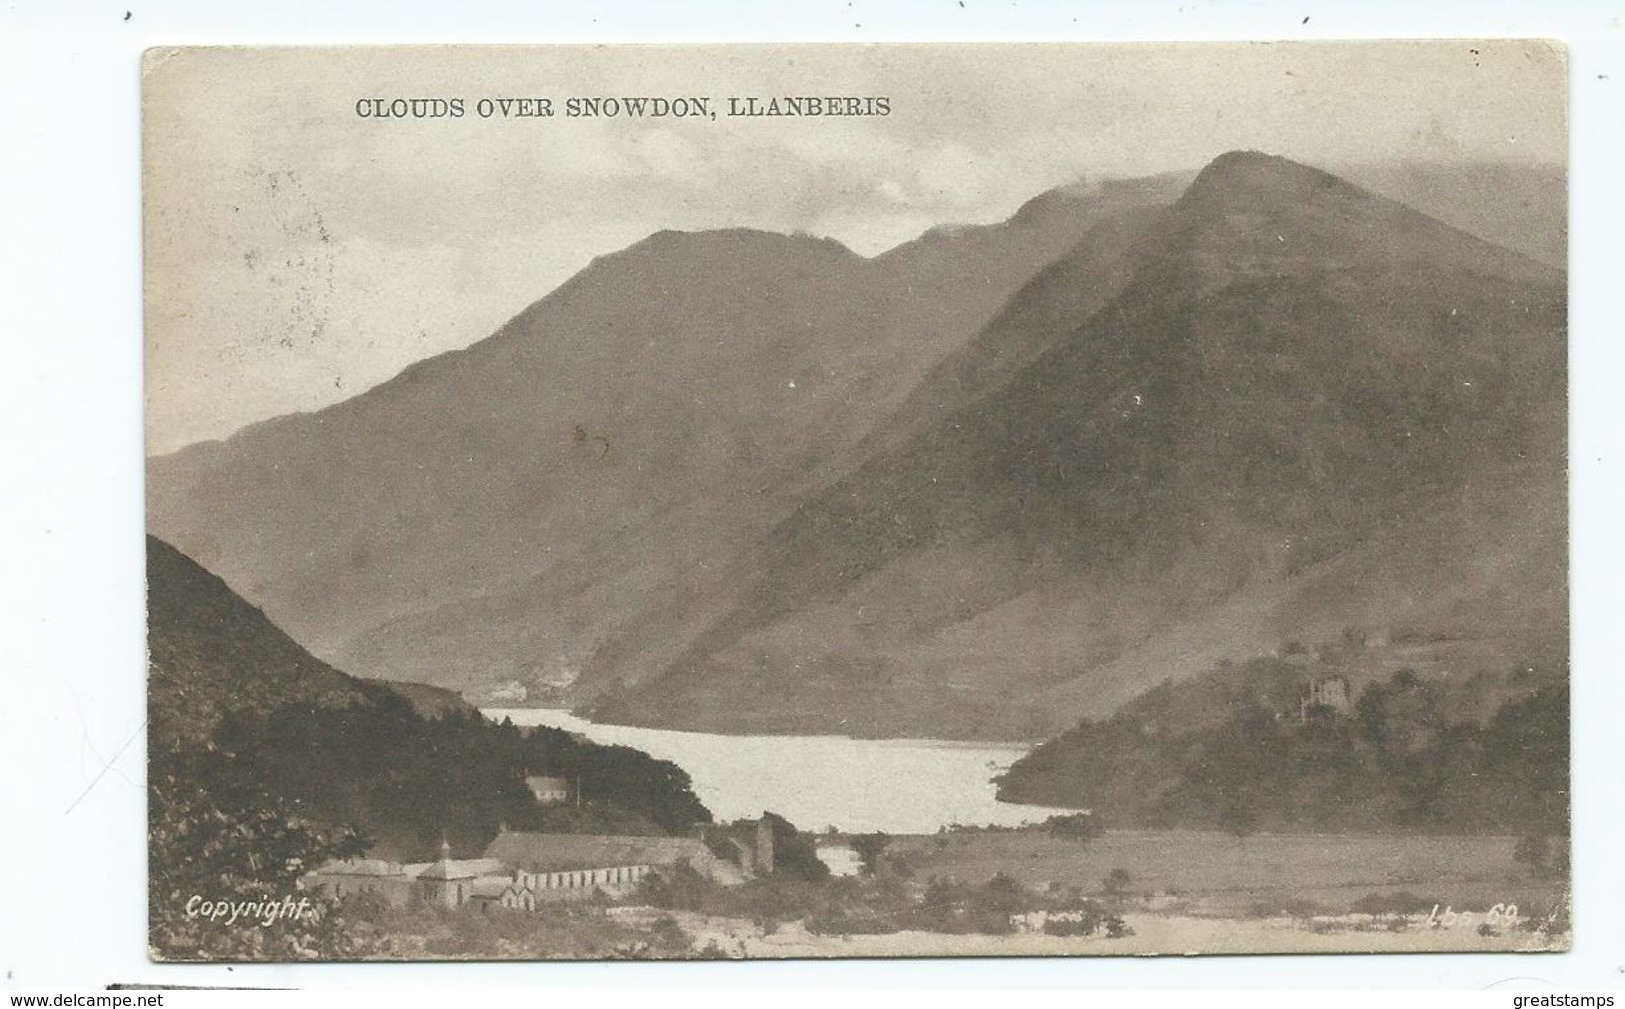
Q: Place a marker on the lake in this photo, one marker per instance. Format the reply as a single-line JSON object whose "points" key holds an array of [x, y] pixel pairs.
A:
{"points": [[900, 786]]}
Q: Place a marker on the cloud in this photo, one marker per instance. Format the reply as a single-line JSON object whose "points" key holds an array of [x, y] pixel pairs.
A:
{"points": [[298, 254]]}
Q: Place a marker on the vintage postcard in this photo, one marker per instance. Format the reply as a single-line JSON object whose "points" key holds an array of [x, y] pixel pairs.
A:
{"points": [[857, 501]]}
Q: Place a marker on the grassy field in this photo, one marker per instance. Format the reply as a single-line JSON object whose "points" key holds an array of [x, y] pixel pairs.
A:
{"points": [[1209, 873], [1150, 934]]}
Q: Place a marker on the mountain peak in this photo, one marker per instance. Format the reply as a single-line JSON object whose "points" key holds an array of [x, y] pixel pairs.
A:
{"points": [[744, 242], [1244, 178], [1253, 215]]}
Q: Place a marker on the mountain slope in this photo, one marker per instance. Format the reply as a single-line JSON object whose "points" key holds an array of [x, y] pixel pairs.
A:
{"points": [[210, 652], [243, 718], [1300, 379]]}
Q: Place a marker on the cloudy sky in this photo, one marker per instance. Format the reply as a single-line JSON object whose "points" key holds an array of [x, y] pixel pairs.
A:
{"points": [[297, 254]]}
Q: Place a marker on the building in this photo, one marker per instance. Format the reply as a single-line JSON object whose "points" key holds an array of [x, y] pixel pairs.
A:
{"points": [[512, 692], [449, 882], [501, 891], [390, 882], [1323, 695], [574, 866], [548, 791], [754, 859], [521, 869]]}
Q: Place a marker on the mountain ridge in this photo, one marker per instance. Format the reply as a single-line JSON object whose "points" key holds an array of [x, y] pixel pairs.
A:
{"points": [[571, 530], [609, 419], [1069, 490]]}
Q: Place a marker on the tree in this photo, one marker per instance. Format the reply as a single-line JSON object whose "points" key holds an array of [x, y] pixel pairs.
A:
{"points": [[870, 848], [211, 839], [1074, 826], [794, 856]]}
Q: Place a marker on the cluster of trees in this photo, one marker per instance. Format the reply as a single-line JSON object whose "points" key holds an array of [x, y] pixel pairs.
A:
{"points": [[271, 796], [1247, 761], [885, 903], [214, 837], [795, 853], [409, 781]]}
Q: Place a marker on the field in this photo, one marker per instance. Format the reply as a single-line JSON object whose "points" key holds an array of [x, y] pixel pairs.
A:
{"points": [[1150, 934], [1184, 892], [1208, 873]]}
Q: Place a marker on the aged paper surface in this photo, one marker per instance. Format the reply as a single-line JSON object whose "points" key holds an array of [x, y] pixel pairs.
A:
{"points": [[810, 501]]}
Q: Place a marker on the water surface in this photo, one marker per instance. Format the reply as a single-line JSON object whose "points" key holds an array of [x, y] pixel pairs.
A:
{"points": [[900, 786]]}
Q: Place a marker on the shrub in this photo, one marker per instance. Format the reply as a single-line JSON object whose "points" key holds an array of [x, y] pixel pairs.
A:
{"points": [[870, 849], [1074, 826]]}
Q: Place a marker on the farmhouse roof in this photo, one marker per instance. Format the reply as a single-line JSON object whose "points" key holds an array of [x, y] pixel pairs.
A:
{"points": [[361, 867], [462, 868], [535, 852], [489, 887]]}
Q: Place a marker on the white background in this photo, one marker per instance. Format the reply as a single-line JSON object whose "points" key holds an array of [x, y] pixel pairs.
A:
{"points": [[72, 838]]}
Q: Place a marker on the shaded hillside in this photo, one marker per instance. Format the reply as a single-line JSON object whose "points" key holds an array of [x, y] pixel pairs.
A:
{"points": [[210, 652], [563, 499], [1299, 388], [428, 701], [1236, 749], [1072, 288]]}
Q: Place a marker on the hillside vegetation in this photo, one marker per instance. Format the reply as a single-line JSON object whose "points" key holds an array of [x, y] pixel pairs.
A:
{"points": [[1236, 749]]}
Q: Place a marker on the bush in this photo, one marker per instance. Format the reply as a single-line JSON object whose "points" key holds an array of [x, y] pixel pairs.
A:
{"points": [[956, 909], [870, 849], [1073, 826]]}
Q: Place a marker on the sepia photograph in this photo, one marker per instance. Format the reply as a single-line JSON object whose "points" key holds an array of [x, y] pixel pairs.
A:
{"points": [[646, 502]]}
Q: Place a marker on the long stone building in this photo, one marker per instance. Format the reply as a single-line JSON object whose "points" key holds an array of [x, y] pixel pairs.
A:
{"points": [[521, 869]]}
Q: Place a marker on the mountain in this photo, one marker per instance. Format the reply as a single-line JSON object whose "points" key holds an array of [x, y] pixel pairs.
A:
{"points": [[211, 652], [1307, 406], [563, 501], [990, 481]]}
